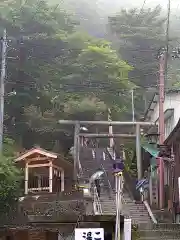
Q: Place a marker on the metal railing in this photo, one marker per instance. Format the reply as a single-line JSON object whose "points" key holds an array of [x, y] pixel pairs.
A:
{"points": [[147, 206], [96, 201]]}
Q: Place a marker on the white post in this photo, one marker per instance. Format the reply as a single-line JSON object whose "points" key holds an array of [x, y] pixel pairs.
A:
{"points": [[127, 229], [62, 181], [116, 187], [26, 179], [50, 177], [119, 189]]}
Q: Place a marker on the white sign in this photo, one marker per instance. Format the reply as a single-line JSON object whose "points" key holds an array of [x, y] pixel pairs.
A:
{"points": [[89, 234], [127, 229]]}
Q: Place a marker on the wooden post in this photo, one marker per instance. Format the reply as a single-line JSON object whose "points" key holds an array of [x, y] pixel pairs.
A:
{"points": [[62, 181], [39, 182], [50, 177], [26, 179]]}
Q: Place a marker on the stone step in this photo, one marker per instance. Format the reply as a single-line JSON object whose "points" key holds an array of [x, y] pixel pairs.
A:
{"points": [[137, 212], [155, 238], [157, 233], [164, 226]]}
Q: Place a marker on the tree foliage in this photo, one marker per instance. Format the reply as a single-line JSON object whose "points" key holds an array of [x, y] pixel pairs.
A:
{"points": [[57, 72], [10, 183], [139, 34]]}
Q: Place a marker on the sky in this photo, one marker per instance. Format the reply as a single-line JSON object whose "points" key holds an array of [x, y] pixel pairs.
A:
{"points": [[175, 4], [163, 3]]}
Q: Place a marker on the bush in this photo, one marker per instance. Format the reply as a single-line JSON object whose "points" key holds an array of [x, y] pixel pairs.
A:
{"points": [[135, 233], [10, 184]]}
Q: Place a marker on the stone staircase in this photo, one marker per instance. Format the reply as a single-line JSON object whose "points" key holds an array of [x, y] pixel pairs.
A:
{"points": [[94, 159], [136, 212], [159, 231]]}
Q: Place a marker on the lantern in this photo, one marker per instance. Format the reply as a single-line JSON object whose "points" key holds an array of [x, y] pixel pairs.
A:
{"points": [[118, 166], [152, 138]]}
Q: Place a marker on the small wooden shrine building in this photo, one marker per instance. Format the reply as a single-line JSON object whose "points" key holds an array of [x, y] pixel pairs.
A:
{"points": [[44, 171]]}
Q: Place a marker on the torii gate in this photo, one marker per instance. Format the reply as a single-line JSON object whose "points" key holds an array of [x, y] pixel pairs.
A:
{"points": [[77, 135]]}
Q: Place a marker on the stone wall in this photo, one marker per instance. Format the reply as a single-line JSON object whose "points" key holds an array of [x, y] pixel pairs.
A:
{"points": [[36, 235]]}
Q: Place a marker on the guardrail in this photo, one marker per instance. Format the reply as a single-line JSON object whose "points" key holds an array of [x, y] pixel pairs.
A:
{"points": [[146, 204]]}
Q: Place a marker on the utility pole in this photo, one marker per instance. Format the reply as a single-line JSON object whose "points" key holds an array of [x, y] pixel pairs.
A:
{"points": [[3, 75], [163, 55], [161, 125]]}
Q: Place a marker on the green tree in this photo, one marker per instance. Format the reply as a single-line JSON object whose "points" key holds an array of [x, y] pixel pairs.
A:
{"points": [[57, 73], [10, 183], [139, 34]]}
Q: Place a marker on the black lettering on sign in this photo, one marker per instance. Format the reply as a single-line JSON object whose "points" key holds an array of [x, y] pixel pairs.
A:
{"points": [[88, 236], [97, 237]]}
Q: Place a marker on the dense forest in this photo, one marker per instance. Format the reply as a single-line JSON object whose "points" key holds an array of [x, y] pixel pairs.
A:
{"points": [[58, 71], [72, 60]]}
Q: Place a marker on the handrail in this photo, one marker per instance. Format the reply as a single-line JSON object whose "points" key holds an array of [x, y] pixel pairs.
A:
{"points": [[96, 201], [146, 204]]}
